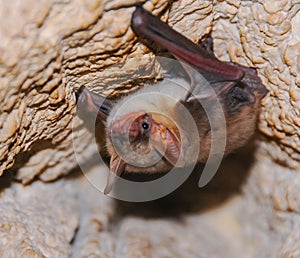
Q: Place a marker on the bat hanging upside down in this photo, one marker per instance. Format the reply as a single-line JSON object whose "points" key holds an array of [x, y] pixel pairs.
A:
{"points": [[148, 131]]}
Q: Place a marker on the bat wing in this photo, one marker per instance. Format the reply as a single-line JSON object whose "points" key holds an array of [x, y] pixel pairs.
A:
{"points": [[198, 60], [150, 26]]}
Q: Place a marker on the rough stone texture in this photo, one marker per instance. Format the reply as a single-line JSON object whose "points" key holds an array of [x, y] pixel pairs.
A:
{"points": [[53, 49], [266, 35], [48, 49], [37, 221]]}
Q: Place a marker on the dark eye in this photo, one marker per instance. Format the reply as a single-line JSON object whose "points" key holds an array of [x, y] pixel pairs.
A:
{"points": [[145, 126]]}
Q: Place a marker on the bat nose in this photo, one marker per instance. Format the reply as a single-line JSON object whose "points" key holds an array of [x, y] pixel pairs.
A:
{"points": [[118, 127], [126, 130]]}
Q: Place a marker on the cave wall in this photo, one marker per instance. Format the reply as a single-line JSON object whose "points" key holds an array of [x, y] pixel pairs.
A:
{"points": [[49, 49]]}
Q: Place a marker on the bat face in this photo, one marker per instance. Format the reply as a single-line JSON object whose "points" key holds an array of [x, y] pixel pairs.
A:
{"points": [[156, 133], [148, 135]]}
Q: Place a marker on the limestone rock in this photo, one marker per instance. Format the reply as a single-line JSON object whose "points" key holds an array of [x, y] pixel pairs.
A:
{"points": [[49, 49], [38, 220]]}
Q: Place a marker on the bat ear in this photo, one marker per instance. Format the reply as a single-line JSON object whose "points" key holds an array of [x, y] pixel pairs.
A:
{"points": [[200, 88], [90, 102], [117, 166], [165, 139], [196, 79], [172, 147]]}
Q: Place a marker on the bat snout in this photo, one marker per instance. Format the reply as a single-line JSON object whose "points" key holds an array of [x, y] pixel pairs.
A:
{"points": [[133, 126]]}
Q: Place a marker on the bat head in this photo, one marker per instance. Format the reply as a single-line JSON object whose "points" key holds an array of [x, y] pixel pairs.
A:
{"points": [[142, 131], [142, 142], [143, 139]]}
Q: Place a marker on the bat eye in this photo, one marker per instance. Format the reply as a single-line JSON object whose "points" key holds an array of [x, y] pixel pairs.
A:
{"points": [[145, 126]]}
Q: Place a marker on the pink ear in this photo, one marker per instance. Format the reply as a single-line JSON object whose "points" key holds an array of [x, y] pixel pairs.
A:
{"points": [[173, 146], [168, 144]]}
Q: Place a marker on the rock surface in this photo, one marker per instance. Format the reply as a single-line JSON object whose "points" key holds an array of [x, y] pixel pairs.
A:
{"points": [[49, 49]]}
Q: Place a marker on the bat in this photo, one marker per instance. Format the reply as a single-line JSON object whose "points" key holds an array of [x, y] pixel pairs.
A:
{"points": [[147, 131]]}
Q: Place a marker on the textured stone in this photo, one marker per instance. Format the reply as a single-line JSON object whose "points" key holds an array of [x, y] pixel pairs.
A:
{"points": [[38, 220], [49, 49]]}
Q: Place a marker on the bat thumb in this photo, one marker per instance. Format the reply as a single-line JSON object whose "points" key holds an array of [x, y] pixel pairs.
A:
{"points": [[117, 166], [110, 182]]}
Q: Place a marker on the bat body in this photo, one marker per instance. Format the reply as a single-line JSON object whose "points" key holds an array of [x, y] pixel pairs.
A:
{"points": [[151, 131]]}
